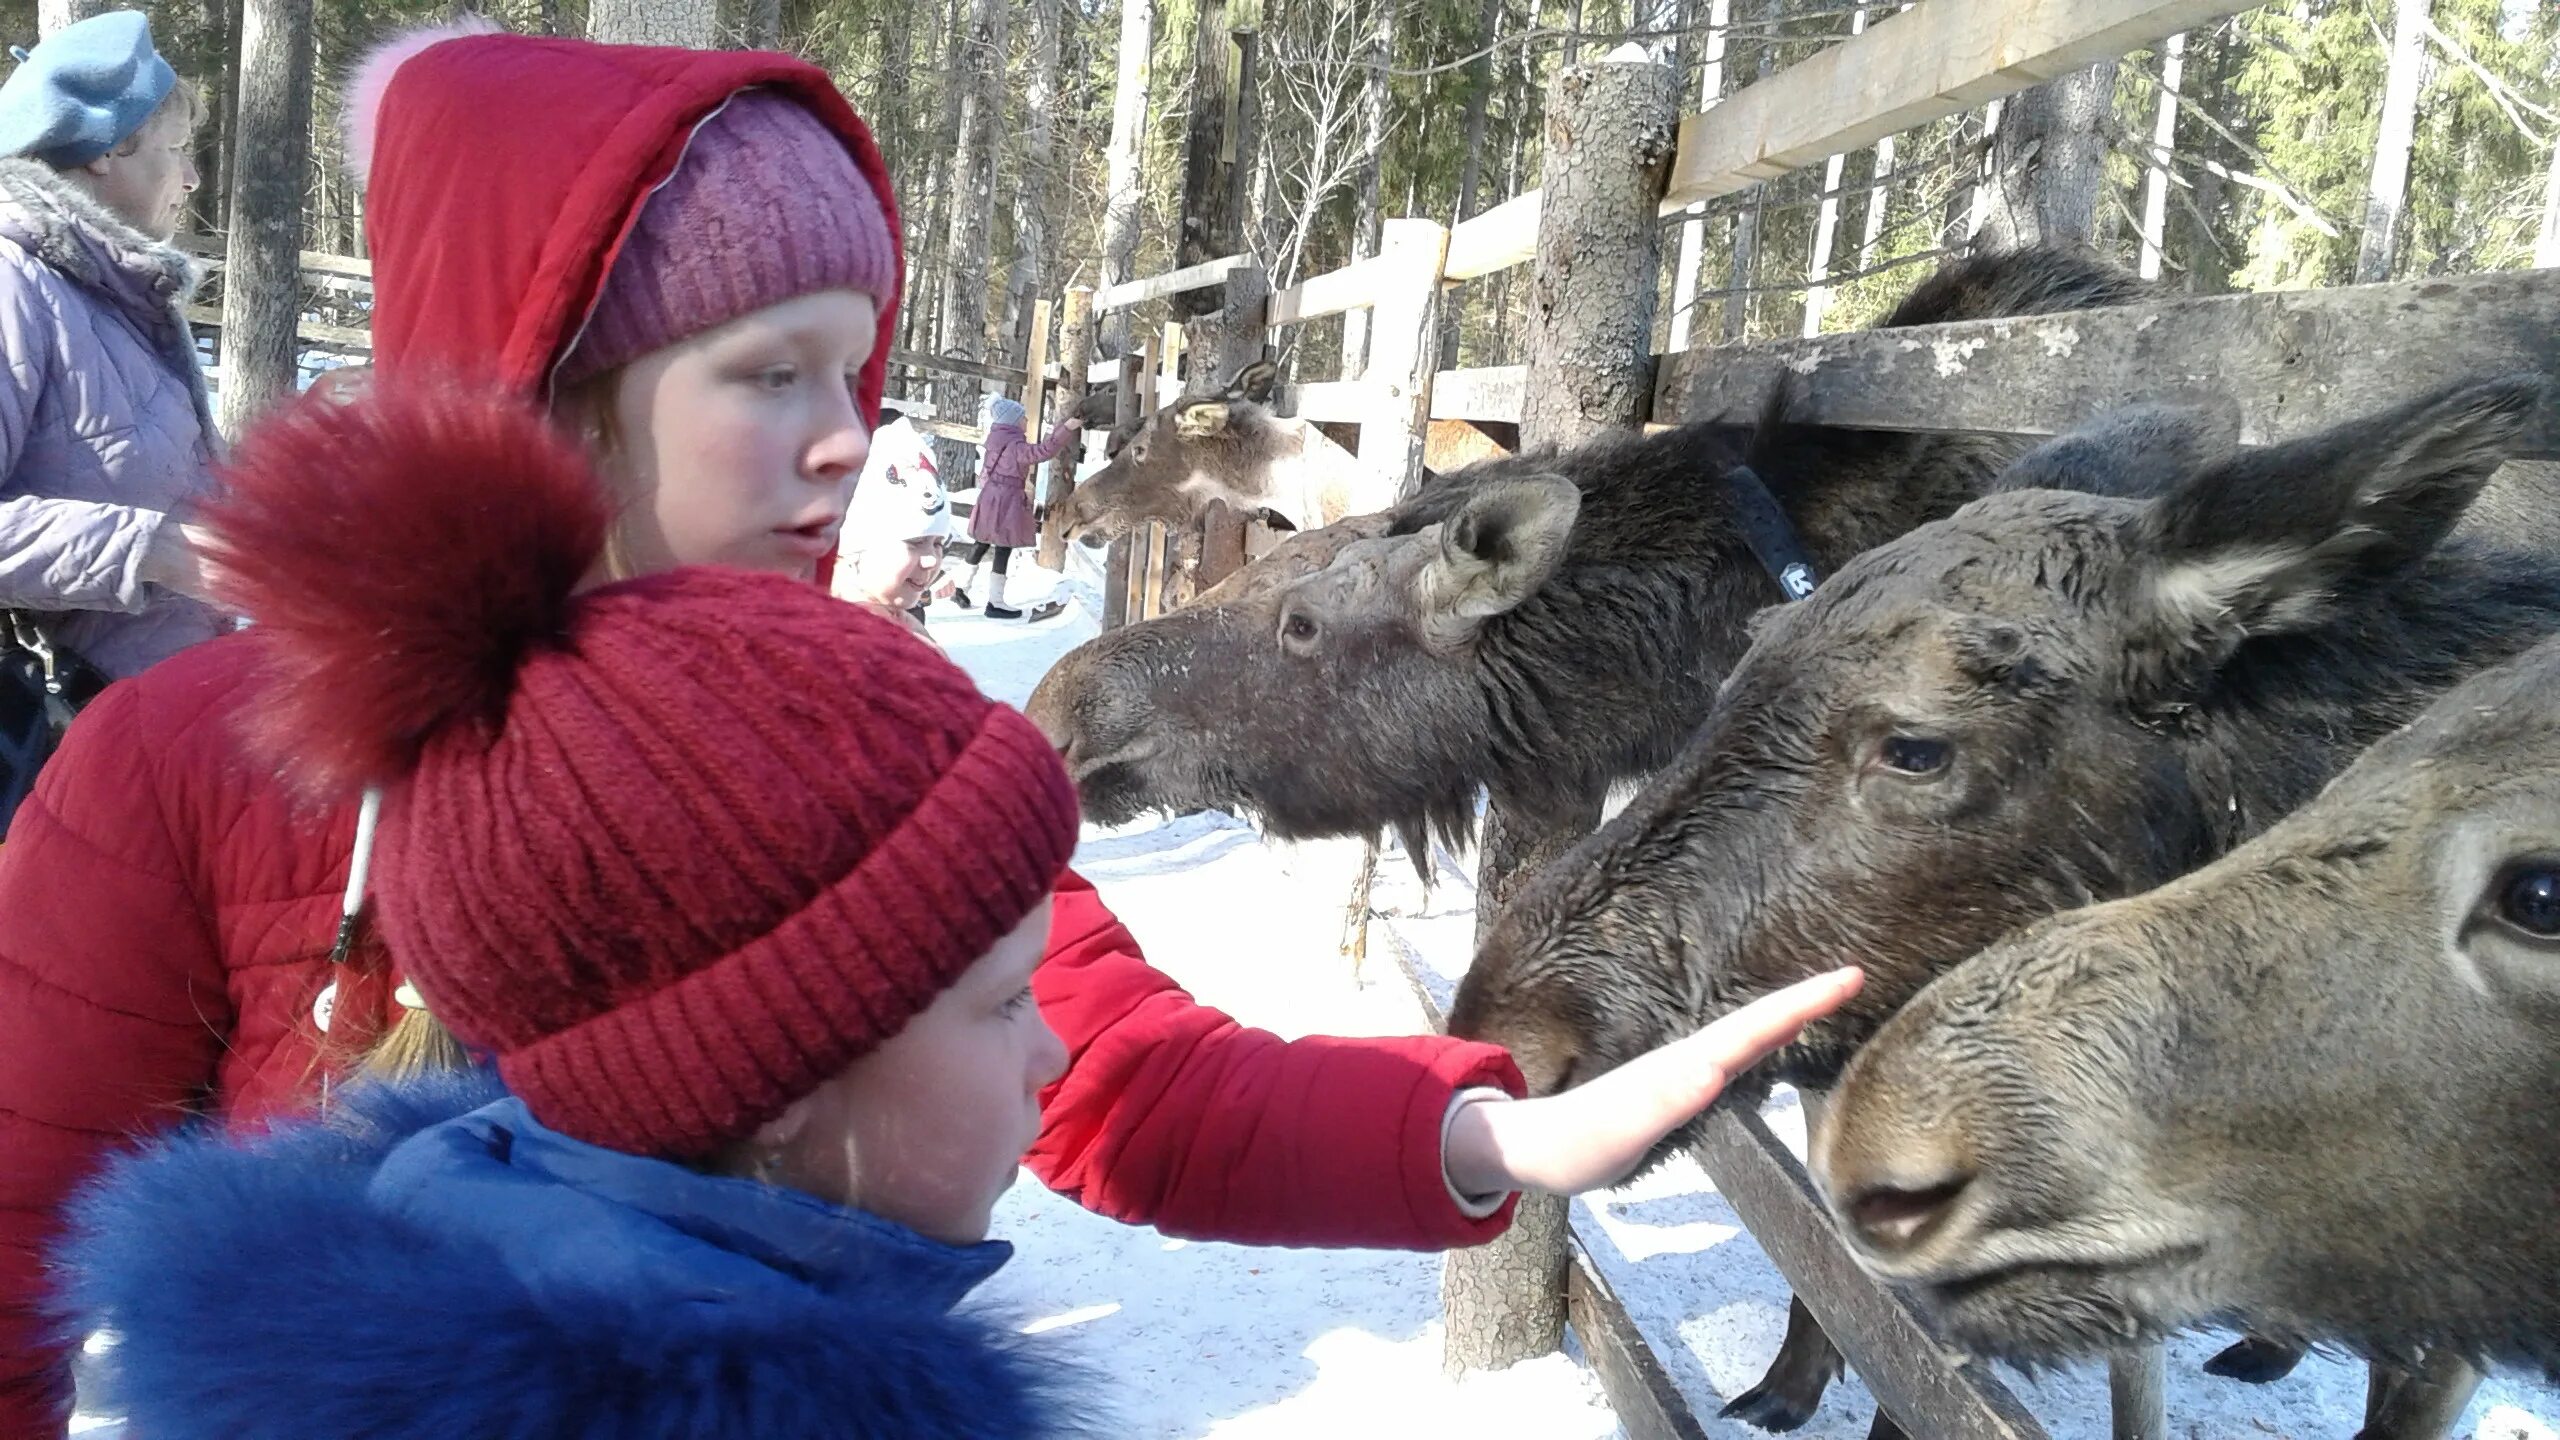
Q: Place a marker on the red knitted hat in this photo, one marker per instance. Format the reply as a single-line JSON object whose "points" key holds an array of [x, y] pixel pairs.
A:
{"points": [[677, 850], [766, 206]]}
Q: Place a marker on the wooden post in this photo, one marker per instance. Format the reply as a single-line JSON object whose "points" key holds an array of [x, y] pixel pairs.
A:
{"points": [[1221, 544], [1164, 358], [1404, 353], [1610, 128], [1137, 398], [1035, 409], [1075, 356], [1115, 583], [1208, 225]]}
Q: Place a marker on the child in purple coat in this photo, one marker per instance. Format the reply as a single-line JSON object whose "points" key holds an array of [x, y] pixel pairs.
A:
{"points": [[1001, 520]]}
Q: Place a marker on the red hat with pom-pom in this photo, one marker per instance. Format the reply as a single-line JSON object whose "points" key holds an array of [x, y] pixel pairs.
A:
{"points": [[676, 850]]}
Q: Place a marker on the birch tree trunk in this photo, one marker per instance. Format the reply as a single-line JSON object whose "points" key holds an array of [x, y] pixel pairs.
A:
{"points": [[691, 23], [973, 200], [262, 275], [2049, 163], [53, 15], [2164, 143], [1693, 231], [2546, 246], [1128, 133], [1610, 134], [1471, 162], [1029, 277], [1826, 226], [1746, 226], [2388, 191], [1366, 219]]}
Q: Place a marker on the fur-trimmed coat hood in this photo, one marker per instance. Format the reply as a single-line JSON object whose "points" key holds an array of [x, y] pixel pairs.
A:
{"points": [[105, 425], [435, 1263]]}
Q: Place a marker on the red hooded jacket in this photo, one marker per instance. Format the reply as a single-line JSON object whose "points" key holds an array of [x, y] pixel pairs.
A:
{"points": [[170, 907]]}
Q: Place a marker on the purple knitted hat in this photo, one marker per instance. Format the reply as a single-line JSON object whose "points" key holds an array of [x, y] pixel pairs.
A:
{"points": [[764, 207]]}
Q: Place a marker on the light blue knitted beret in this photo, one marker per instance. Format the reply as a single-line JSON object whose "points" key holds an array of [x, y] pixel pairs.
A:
{"points": [[78, 95]]}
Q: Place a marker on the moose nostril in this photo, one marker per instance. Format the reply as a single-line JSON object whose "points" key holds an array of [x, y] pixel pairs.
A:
{"points": [[1889, 1218]]}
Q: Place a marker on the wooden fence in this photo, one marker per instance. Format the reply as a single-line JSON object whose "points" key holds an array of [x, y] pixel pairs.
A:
{"points": [[2281, 364]]}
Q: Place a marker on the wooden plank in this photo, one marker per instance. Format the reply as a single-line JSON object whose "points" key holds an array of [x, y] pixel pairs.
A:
{"points": [[1404, 331], [948, 430], [1115, 582], [1908, 69], [1339, 400], [1034, 397], [215, 250], [327, 337], [2289, 362], [1331, 293], [1496, 240], [1172, 282], [949, 365], [1489, 392], [1648, 1404], [1920, 1380]]}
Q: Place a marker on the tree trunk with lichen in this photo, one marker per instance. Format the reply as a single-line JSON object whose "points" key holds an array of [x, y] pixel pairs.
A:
{"points": [[2049, 163], [262, 270], [1609, 136]]}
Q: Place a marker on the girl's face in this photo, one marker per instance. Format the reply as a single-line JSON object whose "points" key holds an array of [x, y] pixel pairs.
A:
{"points": [[928, 1129], [897, 572], [739, 446]]}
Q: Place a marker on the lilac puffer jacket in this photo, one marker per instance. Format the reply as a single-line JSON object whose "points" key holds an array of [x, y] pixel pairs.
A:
{"points": [[104, 424]]}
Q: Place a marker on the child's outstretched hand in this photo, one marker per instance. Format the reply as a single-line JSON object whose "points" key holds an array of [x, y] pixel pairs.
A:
{"points": [[1594, 1133]]}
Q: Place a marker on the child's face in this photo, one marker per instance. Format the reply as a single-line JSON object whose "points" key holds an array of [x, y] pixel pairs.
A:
{"points": [[740, 445], [928, 1129], [896, 572]]}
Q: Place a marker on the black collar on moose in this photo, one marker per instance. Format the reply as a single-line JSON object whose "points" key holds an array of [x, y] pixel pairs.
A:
{"points": [[1772, 539]]}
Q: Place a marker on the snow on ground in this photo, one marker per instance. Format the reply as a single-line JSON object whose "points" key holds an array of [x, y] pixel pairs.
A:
{"points": [[1222, 1340]]}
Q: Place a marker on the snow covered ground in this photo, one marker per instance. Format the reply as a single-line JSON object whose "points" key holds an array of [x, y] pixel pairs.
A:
{"points": [[1198, 1339]]}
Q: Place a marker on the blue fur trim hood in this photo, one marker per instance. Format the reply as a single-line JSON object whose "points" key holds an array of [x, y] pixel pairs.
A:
{"points": [[434, 1262]]}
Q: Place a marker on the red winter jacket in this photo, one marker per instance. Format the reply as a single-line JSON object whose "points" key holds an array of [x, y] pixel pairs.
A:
{"points": [[169, 914]]}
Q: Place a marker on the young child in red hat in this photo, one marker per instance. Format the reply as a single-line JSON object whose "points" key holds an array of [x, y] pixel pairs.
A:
{"points": [[681, 854]]}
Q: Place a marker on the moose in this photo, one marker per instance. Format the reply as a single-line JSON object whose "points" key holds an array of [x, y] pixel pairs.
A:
{"points": [[2308, 1085], [1543, 625], [2050, 697], [1224, 446]]}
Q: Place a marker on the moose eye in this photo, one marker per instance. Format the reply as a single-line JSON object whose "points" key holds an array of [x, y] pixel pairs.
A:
{"points": [[1298, 629], [2529, 899], [1913, 755]]}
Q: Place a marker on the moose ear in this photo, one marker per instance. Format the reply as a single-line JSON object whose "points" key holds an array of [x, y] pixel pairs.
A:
{"points": [[2275, 540], [1201, 419], [1254, 382], [2135, 452], [1495, 550]]}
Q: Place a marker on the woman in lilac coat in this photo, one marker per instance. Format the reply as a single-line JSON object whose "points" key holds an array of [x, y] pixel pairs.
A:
{"points": [[105, 433], [1001, 520]]}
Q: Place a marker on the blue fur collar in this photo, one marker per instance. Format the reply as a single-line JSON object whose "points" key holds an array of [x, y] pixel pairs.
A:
{"points": [[434, 1262]]}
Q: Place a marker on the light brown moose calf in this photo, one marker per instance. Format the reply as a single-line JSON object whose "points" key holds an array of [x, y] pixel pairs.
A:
{"points": [[2309, 1087]]}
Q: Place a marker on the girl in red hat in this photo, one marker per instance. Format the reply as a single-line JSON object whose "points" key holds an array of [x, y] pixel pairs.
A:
{"points": [[690, 261]]}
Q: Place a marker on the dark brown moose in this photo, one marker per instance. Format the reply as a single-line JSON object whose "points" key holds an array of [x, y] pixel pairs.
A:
{"points": [[2309, 1086], [2047, 699], [1544, 625]]}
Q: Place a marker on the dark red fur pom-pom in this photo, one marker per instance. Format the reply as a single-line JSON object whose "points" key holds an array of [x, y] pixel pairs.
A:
{"points": [[398, 555]]}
